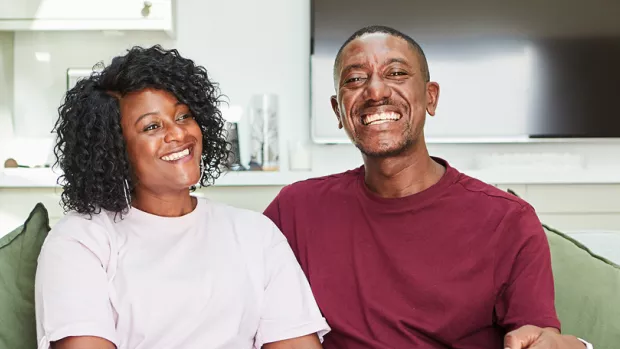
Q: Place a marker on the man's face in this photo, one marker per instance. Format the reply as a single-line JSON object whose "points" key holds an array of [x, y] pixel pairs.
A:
{"points": [[382, 97]]}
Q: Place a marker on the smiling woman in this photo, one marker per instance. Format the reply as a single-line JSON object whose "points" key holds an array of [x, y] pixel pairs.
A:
{"points": [[98, 126], [140, 263]]}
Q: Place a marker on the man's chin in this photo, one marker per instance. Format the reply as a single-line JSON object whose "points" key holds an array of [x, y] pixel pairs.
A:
{"points": [[385, 151]]}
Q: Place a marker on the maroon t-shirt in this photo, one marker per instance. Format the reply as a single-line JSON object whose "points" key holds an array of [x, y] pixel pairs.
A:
{"points": [[455, 266]]}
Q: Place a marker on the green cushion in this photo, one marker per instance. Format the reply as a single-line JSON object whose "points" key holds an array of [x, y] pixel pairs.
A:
{"points": [[587, 291], [19, 251]]}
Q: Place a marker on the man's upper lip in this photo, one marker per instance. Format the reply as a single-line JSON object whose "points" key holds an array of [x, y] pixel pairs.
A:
{"points": [[378, 110], [179, 148]]}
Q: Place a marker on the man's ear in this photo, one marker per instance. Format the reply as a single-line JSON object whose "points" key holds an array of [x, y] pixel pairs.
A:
{"points": [[432, 97], [334, 101]]}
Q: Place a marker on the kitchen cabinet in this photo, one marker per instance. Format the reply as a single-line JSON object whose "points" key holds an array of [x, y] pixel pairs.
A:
{"points": [[87, 15]]}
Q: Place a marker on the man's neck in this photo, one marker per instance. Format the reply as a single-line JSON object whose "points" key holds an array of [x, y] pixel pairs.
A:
{"points": [[408, 173], [165, 205]]}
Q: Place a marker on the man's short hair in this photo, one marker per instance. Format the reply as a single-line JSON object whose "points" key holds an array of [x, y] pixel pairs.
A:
{"points": [[390, 31]]}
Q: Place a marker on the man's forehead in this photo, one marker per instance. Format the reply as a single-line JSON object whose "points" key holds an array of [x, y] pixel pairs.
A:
{"points": [[376, 45]]}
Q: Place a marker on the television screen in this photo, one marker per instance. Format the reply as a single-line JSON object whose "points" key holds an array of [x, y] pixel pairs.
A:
{"points": [[510, 68]]}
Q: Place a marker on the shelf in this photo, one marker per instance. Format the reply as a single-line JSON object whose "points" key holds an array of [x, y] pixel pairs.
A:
{"points": [[488, 140], [28, 178], [600, 175], [46, 178], [258, 178]]}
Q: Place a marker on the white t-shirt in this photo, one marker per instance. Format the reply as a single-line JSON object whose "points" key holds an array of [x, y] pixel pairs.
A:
{"points": [[218, 277]]}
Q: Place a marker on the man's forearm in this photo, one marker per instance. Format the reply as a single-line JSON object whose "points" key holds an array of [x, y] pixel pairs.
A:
{"points": [[569, 342], [573, 342]]}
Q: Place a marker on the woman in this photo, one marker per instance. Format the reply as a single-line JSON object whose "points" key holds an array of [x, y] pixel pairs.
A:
{"points": [[138, 262]]}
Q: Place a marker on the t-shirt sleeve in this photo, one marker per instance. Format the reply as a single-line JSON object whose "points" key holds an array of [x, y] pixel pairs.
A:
{"points": [[280, 211], [289, 309], [71, 291], [273, 212], [523, 270]]}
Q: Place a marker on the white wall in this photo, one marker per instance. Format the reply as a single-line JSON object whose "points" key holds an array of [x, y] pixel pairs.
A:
{"points": [[6, 88], [249, 47]]}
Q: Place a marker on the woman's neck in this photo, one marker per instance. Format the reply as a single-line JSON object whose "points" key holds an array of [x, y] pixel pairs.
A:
{"points": [[165, 205]]}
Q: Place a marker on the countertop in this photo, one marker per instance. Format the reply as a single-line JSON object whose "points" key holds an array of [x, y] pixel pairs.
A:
{"points": [[47, 178]]}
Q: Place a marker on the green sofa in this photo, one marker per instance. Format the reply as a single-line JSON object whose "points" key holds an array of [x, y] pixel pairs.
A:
{"points": [[587, 286], [19, 250]]}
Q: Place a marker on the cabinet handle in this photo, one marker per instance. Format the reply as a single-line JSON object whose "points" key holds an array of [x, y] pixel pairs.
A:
{"points": [[146, 10]]}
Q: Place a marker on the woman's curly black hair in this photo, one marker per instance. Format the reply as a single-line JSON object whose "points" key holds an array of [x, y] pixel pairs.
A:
{"points": [[90, 148]]}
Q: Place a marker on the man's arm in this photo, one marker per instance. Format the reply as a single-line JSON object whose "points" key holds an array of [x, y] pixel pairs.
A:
{"points": [[523, 274], [525, 305], [305, 342]]}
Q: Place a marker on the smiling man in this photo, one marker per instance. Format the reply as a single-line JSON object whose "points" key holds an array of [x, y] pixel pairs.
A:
{"points": [[406, 251]]}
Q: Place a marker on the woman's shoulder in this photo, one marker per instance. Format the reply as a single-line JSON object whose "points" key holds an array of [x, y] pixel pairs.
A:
{"points": [[73, 220], [83, 228], [76, 233]]}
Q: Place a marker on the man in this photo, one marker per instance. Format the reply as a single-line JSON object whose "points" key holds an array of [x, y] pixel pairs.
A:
{"points": [[406, 252]]}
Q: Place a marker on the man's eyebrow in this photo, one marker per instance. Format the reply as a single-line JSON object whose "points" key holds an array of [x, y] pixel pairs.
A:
{"points": [[349, 67], [395, 60], [388, 61]]}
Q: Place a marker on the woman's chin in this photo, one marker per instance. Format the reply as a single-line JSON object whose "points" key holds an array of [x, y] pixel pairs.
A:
{"points": [[188, 182]]}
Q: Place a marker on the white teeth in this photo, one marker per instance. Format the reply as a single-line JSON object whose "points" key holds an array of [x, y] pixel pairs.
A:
{"points": [[176, 156], [381, 122], [380, 118]]}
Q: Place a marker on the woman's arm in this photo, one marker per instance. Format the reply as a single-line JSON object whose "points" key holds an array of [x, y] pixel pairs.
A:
{"points": [[310, 341], [290, 317], [71, 288], [87, 342]]}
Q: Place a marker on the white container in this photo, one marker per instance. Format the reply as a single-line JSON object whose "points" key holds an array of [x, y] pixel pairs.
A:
{"points": [[264, 141]]}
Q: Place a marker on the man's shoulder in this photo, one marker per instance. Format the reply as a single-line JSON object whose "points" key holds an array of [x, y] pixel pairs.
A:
{"points": [[497, 210], [481, 193], [323, 185]]}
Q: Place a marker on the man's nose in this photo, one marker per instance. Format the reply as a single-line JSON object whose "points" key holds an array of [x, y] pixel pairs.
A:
{"points": [[377, 89]]}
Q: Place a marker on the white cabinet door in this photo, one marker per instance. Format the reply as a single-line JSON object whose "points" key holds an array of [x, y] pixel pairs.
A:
{"points": [[17, 9], [86, 15], [98, 9]]}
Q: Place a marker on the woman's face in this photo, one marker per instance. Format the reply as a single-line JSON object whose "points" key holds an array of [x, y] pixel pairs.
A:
{"points": [[164, 141]]}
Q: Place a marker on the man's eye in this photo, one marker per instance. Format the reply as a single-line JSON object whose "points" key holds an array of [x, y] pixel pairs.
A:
{"points": [[355, 79], [398, 73]]}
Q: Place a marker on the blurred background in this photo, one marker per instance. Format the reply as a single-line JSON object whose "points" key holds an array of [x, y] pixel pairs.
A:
{"points": [[529, 92]]}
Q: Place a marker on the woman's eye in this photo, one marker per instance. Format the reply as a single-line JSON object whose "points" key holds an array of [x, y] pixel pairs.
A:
{"points": [[151, 127], [185, 116]]}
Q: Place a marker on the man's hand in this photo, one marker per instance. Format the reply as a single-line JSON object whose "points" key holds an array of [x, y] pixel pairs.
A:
{"points": [[540, 338]]}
